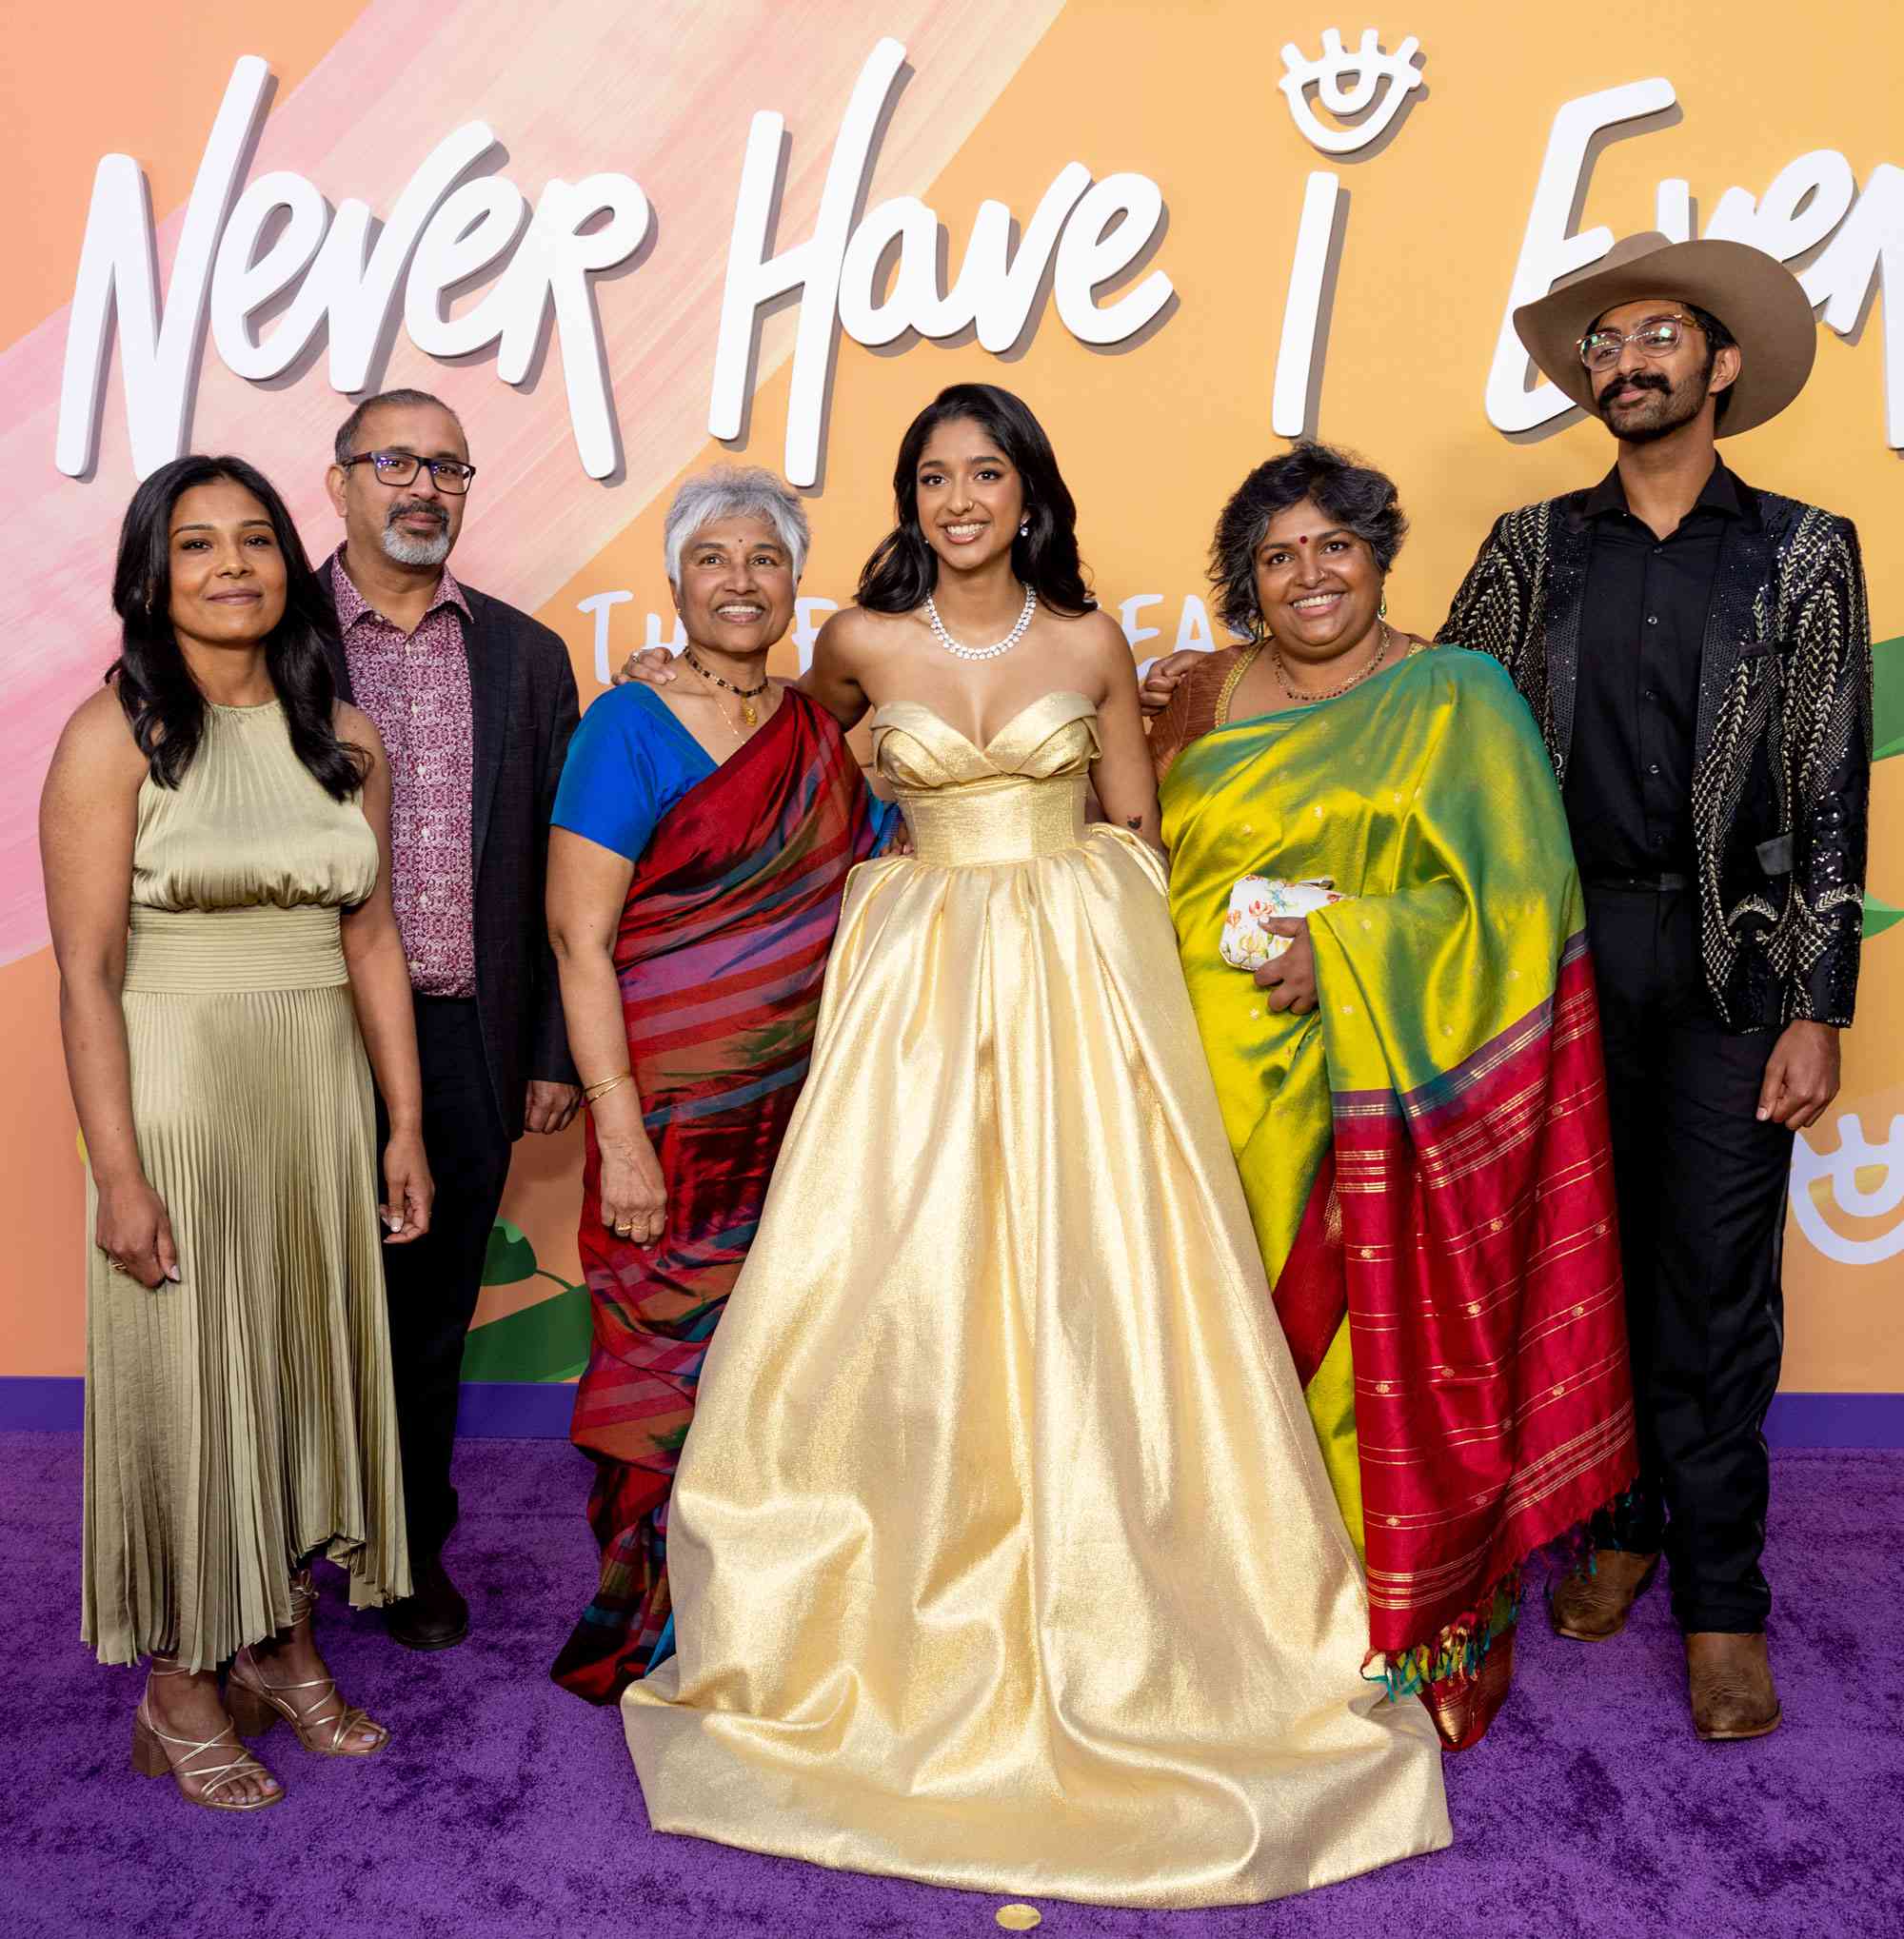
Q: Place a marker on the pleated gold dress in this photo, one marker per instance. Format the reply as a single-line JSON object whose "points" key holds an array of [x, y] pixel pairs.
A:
{"points": [[243, 1417], [1003, 1553]]}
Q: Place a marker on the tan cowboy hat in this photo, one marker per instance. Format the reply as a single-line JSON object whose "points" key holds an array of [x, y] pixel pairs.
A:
{"points": [[1757, 299]]}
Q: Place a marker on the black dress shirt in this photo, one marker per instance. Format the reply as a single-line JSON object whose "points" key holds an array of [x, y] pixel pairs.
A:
{"points": [[1629, 791]]}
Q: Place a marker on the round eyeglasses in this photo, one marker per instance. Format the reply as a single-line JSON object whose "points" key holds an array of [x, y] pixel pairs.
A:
{"points": [[1658, 336], [401, 467]]}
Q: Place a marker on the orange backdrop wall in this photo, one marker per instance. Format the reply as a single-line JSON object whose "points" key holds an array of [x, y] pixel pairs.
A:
{"points": [[1417, 236]]}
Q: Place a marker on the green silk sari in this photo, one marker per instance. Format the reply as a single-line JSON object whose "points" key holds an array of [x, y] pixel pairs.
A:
{"points": [[1425, 1155]]}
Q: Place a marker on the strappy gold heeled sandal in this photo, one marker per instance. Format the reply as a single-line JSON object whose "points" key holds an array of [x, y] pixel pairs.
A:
{"points": [[198, 1784], [323, 1726]]}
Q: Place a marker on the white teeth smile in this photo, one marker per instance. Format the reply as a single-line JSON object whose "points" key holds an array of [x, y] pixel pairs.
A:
{"points": [[963, 531], [739, 612], [1316, 600]]}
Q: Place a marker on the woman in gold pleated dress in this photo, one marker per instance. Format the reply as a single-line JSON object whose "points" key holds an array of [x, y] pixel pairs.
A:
{"points": [[1004, 1556], [215, 832]]}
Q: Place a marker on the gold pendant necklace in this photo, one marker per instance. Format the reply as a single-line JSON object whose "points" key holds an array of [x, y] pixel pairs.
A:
{"points": [[1335, 692], [746, 695]]}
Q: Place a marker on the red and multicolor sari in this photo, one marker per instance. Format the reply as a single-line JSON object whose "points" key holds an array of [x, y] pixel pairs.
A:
{"points": [[1425, 1156], [721, 950]]}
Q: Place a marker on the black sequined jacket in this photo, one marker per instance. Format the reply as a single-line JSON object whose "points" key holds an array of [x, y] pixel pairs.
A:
{"points": [[1781, 774]]}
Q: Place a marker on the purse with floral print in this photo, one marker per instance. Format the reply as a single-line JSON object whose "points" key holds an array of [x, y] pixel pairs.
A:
{"points": [[1258, 901]]}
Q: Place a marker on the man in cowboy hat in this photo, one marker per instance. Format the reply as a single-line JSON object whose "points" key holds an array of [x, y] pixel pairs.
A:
{"points": [[1697, 654]]}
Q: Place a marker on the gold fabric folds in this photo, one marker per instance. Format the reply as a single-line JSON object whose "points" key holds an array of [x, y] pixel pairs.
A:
{"points": [[243, 1418], [1003, 1553]]}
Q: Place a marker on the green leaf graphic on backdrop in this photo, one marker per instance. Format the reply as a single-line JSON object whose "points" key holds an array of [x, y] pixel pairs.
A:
{"points": [[1887, 709], [547, 1342], [1879, 917], [510, 1257], [1887, 738]]}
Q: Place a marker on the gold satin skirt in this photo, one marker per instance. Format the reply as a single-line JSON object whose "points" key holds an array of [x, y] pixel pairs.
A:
{"points": [[243, 1417], [1002, 1549]]}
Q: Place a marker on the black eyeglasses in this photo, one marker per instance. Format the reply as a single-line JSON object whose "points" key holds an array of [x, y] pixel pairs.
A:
{"points": [[401, 467]]}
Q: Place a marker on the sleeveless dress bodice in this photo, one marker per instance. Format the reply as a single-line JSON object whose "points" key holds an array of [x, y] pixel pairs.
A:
{"points": [[1019, 797], [251, 840]]}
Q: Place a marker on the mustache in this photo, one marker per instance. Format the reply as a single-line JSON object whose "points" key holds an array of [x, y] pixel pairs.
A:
{"points": [[407, 507], [1644, 380]]}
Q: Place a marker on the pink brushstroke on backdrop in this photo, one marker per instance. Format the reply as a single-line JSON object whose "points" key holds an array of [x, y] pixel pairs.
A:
{"points": [[664, 93]]}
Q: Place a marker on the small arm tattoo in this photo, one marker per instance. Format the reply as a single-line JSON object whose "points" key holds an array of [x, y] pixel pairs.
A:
{"points": [[1134, 822]]}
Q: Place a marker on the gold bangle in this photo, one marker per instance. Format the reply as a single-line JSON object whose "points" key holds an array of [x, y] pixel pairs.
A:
{"points": [[590, 1091]]}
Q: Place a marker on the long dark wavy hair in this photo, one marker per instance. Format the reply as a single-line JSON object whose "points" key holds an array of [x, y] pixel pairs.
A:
{"points": [[904, 568], [161, 701]]}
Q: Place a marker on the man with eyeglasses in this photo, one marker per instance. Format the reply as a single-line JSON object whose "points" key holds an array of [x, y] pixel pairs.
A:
{"points": [[476, 703], [1698, 656]]}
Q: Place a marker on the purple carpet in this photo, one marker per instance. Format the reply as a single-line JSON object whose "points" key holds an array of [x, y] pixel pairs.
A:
{"points": [[505, 1807]]}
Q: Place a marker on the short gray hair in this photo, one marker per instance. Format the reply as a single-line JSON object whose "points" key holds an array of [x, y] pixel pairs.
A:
{"points": [[735, 491]]}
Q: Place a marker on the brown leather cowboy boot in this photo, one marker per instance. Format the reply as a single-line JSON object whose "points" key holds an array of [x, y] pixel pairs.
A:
{"points": [[1729, 1681], [1592, 1605]]}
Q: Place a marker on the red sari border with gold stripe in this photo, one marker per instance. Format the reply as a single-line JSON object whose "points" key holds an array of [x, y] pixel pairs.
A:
{"points": [[1468, 1230]]}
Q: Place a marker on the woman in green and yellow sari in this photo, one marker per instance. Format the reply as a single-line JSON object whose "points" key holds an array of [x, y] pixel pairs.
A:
{"points": [[1383, 932]]}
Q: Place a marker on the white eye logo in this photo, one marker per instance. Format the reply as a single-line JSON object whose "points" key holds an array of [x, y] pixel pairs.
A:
{"points": [[1878, 1194], [1369, 65]]}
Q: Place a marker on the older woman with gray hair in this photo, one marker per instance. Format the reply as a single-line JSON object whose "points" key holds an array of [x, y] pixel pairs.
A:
{"points": [[1383, 936], [703, 838]]}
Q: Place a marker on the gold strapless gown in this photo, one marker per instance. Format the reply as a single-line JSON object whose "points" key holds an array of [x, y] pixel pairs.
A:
{"points": [[1002, 1555]]}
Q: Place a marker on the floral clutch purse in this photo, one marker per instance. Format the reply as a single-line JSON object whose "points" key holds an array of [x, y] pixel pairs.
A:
{"points": [[1258, 899]]}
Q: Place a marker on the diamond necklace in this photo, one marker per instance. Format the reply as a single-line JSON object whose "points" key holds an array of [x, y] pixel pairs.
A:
{"points": [[1004, 645]]}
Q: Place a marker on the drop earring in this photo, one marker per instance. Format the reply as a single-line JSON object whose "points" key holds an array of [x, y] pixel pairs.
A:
{"points": [[1024, 527], [1381, 611]]}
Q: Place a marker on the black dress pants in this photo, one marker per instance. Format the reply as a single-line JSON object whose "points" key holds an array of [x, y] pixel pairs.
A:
{"points": [[1701, 1186], [433, 1284]]}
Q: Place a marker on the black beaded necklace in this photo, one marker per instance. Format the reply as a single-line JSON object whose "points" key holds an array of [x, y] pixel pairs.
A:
{"points": [[746, 695]]}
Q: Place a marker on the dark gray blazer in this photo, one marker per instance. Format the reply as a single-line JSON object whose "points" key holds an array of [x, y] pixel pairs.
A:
{"points": [[521, 693], [1782, 752]]}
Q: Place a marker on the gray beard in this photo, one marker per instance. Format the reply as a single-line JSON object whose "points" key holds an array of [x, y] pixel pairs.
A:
{"points": [[410, 548]]}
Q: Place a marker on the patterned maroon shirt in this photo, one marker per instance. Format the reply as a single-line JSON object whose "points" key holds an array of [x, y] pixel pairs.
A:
{"points": [[415, 686]]}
